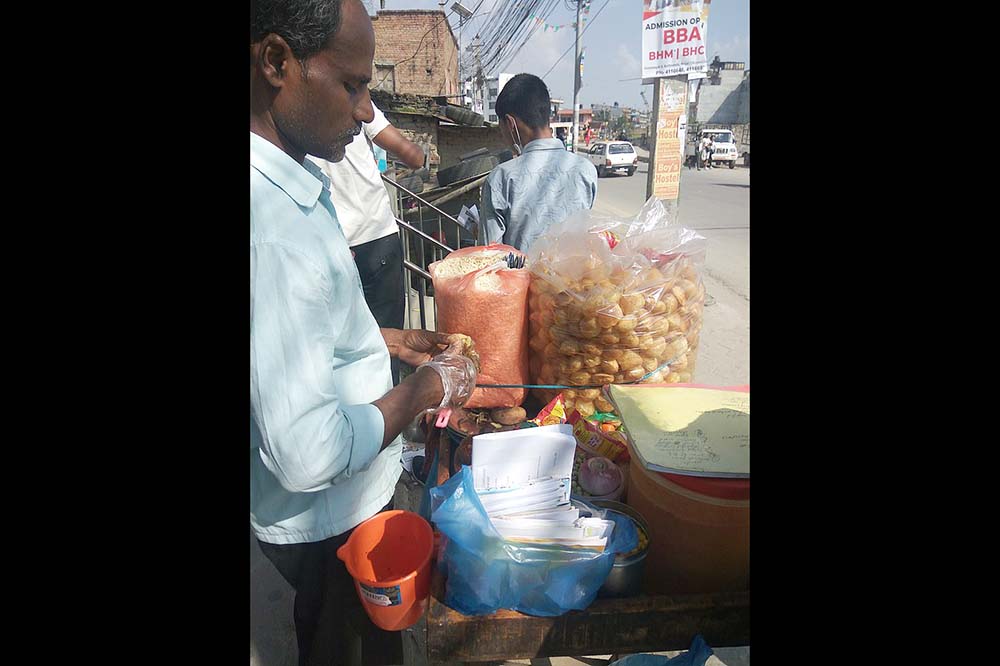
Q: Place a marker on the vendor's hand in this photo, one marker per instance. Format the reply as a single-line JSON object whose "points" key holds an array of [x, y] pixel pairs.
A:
{"points": [[458, 378], [416, 346]]}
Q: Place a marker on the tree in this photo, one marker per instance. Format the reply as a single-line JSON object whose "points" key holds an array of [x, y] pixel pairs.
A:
{"points": [[621, 125]]}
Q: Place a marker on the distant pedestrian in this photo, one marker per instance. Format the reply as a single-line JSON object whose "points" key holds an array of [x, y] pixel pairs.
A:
{"points": [[702, 151], [706, 153]]}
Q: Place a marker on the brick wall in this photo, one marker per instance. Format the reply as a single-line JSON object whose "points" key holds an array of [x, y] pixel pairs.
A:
{"points": [[427, 67], [420, 130]]}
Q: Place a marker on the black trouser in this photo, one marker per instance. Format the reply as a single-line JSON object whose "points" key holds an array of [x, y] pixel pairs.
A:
{"points": [[380, 264], [331, 627]]}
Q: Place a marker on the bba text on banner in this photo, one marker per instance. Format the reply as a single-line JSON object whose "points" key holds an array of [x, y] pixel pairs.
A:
{"points": [[674, 34]]}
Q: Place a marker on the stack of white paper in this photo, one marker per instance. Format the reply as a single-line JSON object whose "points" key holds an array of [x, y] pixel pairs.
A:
{"points": [[584, 532], [523, 481]]}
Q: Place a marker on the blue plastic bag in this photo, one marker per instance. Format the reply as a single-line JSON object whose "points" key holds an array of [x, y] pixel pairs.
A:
{"points": [[486, 573], [625, 530], [697, 655]]}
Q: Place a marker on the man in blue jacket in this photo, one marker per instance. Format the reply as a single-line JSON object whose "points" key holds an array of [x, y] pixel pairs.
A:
{"points": [[545, 184]]}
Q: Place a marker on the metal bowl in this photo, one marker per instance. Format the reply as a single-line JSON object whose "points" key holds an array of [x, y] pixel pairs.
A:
{"points": [[625, 579]]}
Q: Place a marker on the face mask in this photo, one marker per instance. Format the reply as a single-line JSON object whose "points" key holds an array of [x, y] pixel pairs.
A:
{"points": [[518, 146]]}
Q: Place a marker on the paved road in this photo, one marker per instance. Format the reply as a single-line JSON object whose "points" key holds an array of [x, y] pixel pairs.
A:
{"points": [[716, 203]]}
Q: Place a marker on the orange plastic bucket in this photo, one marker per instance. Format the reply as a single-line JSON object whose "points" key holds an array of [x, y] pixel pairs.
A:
{"points": [[389, 556]]}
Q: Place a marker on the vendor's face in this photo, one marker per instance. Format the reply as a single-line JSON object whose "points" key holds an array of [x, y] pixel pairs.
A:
{"points": [[325, 99]]}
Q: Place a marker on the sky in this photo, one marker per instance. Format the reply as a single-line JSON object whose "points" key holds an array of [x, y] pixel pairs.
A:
{"points": [[612, 44]]}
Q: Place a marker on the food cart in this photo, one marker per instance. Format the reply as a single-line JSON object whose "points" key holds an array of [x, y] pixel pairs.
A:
{"points": [[644, 623], [652, 267]]}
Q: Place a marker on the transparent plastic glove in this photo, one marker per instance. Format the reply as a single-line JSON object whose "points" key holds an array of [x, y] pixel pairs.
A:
{"points": [[458, 378]]}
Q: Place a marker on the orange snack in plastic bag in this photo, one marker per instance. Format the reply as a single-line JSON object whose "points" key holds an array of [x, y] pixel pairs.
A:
{"points": [[489, 303]]}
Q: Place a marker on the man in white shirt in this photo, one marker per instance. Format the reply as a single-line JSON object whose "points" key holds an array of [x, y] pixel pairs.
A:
{"points": [[363, 211], [324, 416], [705, 153]]}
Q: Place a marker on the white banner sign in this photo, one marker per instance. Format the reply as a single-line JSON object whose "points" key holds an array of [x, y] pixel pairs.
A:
{"points": [[674, 34]]}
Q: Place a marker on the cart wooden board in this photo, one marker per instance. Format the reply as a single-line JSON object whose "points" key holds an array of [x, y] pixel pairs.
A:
{"points": [[646, 623]]}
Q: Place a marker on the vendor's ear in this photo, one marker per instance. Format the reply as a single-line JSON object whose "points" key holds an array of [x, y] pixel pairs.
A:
{"points": [[275, 59], [504, 125]]}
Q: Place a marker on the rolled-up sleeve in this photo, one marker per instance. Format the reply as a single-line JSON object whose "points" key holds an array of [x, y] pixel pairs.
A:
{"points": [[379, 122], [310, 439]]}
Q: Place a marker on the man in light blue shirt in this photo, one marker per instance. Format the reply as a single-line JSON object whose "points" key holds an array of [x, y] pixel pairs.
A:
{"points": [[524, 196], [324, 417]]}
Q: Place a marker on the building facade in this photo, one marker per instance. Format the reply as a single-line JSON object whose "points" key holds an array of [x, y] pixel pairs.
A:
{"points": [[494, 86], [415, 53], [723, 97]]}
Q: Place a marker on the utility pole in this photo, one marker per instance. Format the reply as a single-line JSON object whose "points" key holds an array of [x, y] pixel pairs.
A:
{"points": [[461, 76], [668, 124], [666, 149], [650, 123], [463, 16], [479, 92], [576, 78]]}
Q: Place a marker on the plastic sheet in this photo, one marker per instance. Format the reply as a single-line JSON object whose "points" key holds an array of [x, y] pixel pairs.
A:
{"points": [[485, 573]]}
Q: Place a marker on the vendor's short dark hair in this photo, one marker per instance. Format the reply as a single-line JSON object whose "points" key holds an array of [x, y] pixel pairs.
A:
{"points": [[306, 25], [525, 97]]}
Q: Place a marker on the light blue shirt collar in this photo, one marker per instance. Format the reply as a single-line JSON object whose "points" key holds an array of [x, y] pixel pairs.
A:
{"points": [[550, 143], [302, 182]]}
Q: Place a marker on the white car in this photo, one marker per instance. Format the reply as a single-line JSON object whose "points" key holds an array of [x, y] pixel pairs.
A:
{"points": [[610, 156]]}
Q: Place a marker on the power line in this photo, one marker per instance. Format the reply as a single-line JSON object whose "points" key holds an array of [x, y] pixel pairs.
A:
{"points": [[581, 34], [509, 30], [510, 53]]}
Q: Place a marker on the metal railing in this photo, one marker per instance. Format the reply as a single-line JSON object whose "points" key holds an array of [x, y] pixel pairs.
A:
{"points": [[421, 249]]}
